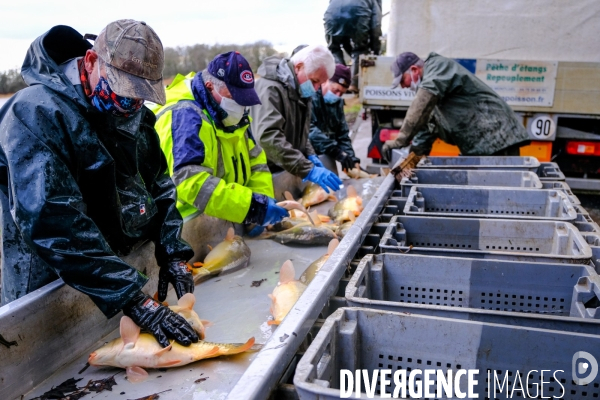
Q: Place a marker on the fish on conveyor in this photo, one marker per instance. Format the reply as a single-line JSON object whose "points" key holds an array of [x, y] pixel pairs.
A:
{"points": [[286, 293], [135, 351], [228, 256], [304, 233], [314, 194], [342, 229], [297, 218], [312, 270], [351, 204], [185, 308], [291, 204], [357, 173]]}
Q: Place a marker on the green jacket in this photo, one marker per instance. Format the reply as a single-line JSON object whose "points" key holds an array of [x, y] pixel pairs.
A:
{"points": [[219, 171], [468, 114], [329, 133], [282, 121]]}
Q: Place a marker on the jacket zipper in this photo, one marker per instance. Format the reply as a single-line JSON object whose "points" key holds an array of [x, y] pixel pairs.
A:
{"points": [[244, 174], [235, 167]]}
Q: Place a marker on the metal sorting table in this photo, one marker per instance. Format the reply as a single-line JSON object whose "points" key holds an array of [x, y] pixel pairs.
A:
{"points": [[237, 312]]}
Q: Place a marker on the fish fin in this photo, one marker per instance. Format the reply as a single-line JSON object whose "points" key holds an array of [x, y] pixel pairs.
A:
{"points": [[324, 218], [230, 234], [155, 297], [352, 217], [201, 275], [136, 374], [273, 322], [288, 196], [287, 272], [197, 264], [351, 191], [292, 214], [272, 297], [333, 244], [238, 349], [206, 323], [187, 301], [209, 247], [168, 363], [332, 197], [130, 332], [164, 350]]}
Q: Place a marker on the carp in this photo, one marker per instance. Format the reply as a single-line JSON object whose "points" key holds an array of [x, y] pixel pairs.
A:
{"points": [[314, 194], [357, 173], [230, 255], [185, 308], [343, 228], [135, 351], [286, 293], [312, 270], [297, 218], [303, 233], [351, 204]]}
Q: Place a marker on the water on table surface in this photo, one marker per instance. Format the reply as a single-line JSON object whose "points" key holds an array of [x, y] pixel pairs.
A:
{"points": [[237, 311]]}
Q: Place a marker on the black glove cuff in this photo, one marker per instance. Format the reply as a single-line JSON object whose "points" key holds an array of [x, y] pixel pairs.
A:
{"points": [[258, 209]]}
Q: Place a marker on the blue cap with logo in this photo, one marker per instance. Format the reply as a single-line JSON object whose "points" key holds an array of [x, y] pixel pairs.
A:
{"points": [[233, 69]]}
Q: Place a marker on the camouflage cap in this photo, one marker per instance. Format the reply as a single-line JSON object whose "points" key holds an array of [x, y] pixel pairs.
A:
{"points": [[134, 59]]}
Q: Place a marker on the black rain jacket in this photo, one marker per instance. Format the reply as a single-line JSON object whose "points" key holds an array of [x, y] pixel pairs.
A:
{"points": [[79, 188]]}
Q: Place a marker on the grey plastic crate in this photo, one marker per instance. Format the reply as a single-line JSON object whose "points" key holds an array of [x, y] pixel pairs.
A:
{"points": [[561, 186], [545, 241], [366, 339], [482, 163], [489, 202], [549, 171], [388, 281], [519, 179]]}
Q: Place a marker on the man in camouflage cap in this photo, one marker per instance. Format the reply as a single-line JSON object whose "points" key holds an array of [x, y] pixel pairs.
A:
{"points": [[84, 178]]}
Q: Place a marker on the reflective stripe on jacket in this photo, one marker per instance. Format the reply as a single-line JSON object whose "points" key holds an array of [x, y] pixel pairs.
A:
{"points": [[216, 172]]}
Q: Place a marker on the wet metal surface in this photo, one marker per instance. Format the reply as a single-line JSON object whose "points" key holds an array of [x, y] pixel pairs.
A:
{"points": [[237, 311]]}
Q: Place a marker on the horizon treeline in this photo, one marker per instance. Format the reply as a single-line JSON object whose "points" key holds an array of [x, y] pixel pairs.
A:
{"points": [[178, 60]]}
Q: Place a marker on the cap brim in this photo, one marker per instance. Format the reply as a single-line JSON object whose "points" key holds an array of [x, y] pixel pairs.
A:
{"points": [[396, 81], [244, 97], [128, 85]]}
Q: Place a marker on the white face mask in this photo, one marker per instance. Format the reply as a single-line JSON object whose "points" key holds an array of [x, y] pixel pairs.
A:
{"points": [[413, 84], [234, 111]]}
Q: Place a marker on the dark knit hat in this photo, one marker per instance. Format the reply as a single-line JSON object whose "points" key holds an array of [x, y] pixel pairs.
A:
{"points": [[341, 75]]}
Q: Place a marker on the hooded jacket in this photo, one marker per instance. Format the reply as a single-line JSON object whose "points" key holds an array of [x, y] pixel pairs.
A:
{"points": [[79, 188], [218, 170], [282, 121], [329, 133], [353, 18]]}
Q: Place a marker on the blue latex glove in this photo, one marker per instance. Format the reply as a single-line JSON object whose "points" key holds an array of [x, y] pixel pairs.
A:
{"points": [[315, 160], [274, 213], [257, 230], [324, 178]]}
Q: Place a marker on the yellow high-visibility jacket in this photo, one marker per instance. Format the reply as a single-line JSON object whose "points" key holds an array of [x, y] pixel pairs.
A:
{"points": [[220, 171]]}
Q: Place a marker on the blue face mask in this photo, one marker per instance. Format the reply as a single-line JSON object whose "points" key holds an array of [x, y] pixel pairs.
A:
{"points": [[105, 100], [307, 89], [330, 97]]}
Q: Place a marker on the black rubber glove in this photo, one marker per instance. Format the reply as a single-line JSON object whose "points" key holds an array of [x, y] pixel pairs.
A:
{"points": [[347, 161], [177, 274], [159, 320]]}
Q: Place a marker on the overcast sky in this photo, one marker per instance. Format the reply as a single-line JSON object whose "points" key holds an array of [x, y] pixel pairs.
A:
{"points": [[285, 23]]}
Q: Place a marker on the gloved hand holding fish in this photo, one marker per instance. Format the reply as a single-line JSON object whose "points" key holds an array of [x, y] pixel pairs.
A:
{"points": [[352, 204], [135, 351], [231, 255]]}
